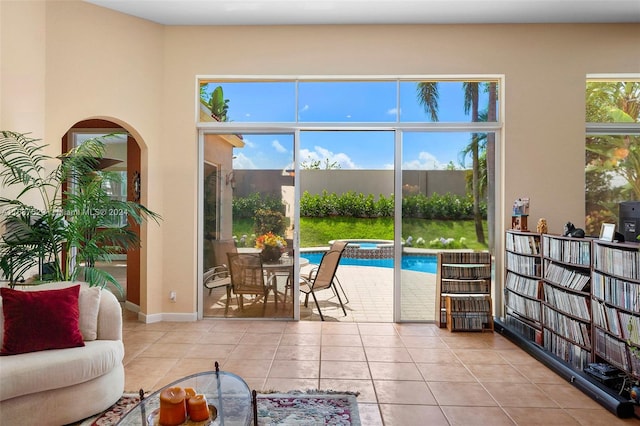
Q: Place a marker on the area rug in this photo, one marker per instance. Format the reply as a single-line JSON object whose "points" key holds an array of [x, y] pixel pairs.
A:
{"points": [[300, 408]]}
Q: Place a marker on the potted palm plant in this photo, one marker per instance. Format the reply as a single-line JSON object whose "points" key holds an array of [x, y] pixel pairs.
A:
{"points": [[61, 219]]}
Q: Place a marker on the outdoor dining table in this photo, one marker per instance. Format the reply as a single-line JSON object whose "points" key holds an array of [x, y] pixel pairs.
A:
{"points": [[282, 267]]}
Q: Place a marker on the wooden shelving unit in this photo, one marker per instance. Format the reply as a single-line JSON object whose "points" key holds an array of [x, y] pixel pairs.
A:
{"points": [[463, 284], [523, 284], [469, 313]]}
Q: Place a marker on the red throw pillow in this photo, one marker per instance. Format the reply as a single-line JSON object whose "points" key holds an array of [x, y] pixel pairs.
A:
{"points": [[40, 320]]}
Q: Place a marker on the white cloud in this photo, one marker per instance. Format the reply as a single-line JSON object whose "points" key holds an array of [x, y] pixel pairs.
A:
{"points": [[241, 161], [322, 154], [303, 109], [248, 143], [392, 111], [278, 146], [425, 161]]}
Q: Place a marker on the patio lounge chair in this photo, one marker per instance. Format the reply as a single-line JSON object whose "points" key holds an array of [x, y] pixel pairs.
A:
{"points": [[322, 279], [338, 245], [218, 276], [247, 277]]}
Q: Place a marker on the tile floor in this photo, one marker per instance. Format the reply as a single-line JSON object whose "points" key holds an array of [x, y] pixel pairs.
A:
{"points": [[407, 374]]}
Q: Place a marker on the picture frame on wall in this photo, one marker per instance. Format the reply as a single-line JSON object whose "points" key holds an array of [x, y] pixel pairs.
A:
{"points": [[607, 231]]}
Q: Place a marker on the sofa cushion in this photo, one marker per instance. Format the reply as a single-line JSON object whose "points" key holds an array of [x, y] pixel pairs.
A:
{"points": [[39, 371], [89, 305], [40, 320]]}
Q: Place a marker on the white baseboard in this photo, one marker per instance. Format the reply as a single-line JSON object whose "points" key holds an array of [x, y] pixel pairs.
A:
{"points": [[168, 316]]}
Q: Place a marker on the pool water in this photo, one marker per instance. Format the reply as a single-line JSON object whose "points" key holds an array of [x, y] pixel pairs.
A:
{"points": [[368, 246], [412, 262]]}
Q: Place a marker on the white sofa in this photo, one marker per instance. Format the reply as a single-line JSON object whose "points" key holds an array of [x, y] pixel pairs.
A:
{"points": [[61, 386]]}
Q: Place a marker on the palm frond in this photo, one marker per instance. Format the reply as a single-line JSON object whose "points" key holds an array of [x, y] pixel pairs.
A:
{"points": [[21, 160], [428, 98], [99, 278]]}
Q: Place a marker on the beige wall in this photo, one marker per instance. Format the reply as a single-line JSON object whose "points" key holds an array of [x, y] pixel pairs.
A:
{"points": [[67, 61]]}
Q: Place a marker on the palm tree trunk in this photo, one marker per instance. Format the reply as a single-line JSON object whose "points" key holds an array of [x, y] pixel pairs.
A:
{"points": [[477, 216], [491, 167], [475, 181]]}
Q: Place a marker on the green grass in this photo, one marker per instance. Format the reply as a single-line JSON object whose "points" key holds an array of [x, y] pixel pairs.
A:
{"points": [[319, 231]]}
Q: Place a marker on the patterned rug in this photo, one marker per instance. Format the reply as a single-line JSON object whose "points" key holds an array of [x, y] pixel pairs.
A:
{"points": [[299, 408]]}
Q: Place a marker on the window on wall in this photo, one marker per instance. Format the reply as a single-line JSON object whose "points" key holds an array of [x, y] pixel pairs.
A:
{"points": [[342, 144], [612, 156], [349, 101]]}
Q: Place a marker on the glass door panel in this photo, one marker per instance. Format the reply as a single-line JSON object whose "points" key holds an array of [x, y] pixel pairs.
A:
{"points": [[248, 200], [346, 186], [438, 210]]}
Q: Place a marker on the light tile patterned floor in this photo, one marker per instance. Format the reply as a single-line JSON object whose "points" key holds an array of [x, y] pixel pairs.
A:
{"points": [[407, 374]]}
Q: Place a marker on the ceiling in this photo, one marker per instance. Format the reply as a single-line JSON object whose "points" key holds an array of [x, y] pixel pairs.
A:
{"points": [[309, 12]]}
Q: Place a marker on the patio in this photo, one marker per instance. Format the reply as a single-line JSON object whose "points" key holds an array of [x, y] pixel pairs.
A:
{"points": [[370, 294]]}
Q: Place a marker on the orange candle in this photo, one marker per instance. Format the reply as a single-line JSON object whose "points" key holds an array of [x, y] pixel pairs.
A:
{"points": [[198, 409], [190, 392], [173, 409]]}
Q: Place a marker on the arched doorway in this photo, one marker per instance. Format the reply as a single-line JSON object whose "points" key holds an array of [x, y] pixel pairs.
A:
{"points": [[127, 153]]}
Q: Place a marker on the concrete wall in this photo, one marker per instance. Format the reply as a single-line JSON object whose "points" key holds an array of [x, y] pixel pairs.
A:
{"points": [[66, 61], [374, 182]]}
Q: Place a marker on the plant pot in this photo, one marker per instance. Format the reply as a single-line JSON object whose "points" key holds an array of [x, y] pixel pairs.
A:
{"points": [[270, 254]]}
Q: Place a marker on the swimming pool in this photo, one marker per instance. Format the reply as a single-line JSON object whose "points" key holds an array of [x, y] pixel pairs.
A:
{"points": [[411, 262]]}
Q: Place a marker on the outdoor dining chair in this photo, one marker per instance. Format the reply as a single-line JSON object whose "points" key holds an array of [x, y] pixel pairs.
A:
{"points": [[322, 279], [247, 277], [218, 276]]}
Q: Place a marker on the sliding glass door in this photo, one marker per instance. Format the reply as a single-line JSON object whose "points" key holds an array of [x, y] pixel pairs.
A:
{"points": [[346, 186], [248, 200], [439, 210]]}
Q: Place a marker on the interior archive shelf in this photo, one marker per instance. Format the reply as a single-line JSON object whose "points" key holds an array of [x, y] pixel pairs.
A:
{"points": [[463, 291], [616, 304], [523, 284], [574, 303]]}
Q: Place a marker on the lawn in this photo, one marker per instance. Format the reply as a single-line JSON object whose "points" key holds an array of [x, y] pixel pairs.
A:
{"points": [[319, 231]]}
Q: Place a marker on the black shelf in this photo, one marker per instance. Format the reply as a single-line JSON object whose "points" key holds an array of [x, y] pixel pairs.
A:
{"points": [[606, 397]]}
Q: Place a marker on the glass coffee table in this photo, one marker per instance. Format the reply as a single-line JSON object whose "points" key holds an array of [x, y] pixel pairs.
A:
{"points": [[234, 402]]}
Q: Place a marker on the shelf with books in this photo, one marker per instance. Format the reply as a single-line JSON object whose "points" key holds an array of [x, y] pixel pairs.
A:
{"points": [[461, 275], [523, 284], [469, 313], [587, 291], [566, 306], [615, 292]]}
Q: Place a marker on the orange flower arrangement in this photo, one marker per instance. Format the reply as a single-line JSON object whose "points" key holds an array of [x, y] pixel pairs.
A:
{"points": [[270, 240]]}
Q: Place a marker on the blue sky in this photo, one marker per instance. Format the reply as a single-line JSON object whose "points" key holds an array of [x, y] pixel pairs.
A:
{"points": [[346, 102]]}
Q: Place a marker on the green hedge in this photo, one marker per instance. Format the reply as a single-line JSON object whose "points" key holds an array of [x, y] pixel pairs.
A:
{"points": [[247, 207], [350, 204]]}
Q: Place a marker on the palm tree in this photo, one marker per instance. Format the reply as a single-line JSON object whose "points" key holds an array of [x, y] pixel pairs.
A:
{"points": [[428, 98], [490, 151], [471, 101]]}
